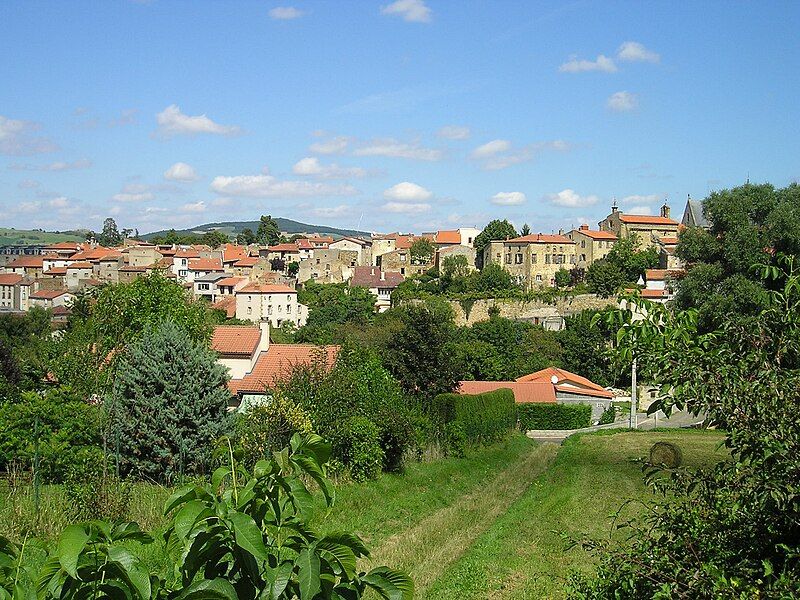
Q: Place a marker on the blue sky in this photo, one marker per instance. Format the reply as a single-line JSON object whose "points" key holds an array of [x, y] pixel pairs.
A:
{"points": [[409, 115]]}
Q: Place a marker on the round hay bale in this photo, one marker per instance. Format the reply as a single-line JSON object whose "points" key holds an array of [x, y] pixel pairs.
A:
{"points": [[666, 454]]}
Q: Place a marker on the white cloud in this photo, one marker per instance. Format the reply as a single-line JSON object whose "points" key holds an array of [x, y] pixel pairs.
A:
{"points": [[331, 212], [59, 202], [413, 11], [410, 208], [639, 210], [194, 207], [508, 198], [395, 149], [27, 207], [171, 122], [407, 192], [571, 199], [285, 13], [311, 167], [132, 197], [180, 171], [622, 102], [491, 148], [17, 138], [602, 63], [454, 132], [640, 199], [636, 52], [495, 160], [267, 186], [334, 145]]}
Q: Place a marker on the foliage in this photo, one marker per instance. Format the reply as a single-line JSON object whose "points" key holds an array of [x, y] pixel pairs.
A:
{"points": [[110, 236], [277, 264], [293, 268], [249, 533], [750, 225], [24, 351], [495, 230], [526, 230], [608, 416], [422, 251], [268, 233], [623, 264], [168, 405], [246, 237], [454, 268], [215, 238], [418, 353], [586, 342], [484, 418], [563, 278], [361, 448], [92, 494], [333, 308], [665, 454], [732, 530], [268, 426], [554, 416], [64, 431]]}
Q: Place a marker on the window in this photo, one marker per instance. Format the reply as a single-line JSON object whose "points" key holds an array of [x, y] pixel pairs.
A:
{"points": [[249, 310], [572, 259], [402, 258], [288, 297], [518, 259], [269, 310], [546, 261], [533, 259], [539, 278], [508, 259], [583, 243], [202, 286], [583, 258], [288, 308], [402, 270]]}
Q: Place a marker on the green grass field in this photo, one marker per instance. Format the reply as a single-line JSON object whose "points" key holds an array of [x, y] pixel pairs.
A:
{"points": [[484, 526], [24, 237]]}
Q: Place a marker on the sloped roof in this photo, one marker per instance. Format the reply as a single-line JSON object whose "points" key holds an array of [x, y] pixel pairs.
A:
{"points": [[646, 220], [653, 294], [277, 364], [261, 288], [540, 238], [80, 264], [448, 237], [693, 214], [205, 264], [247, 261], [233, 252], [187, 253], [370, 277], [596, 235], [231, 281], [566, 381], [284, 248], [235, 339], [661, 274], [524, 392], [47, 294], [228, 304], [56, 271], [27, 262], [10, 278], [64, 246]]}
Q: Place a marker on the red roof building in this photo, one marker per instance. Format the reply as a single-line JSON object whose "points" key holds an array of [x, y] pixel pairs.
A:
{"points": [[277, 364]]}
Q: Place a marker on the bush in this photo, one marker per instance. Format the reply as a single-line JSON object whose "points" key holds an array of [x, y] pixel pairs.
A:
{"points": [[455, 439], [554, 416], [485, 418], [609, 416], [360, 448], [267, 427]]}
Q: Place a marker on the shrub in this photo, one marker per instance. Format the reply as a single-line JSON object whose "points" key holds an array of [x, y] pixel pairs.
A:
{"points": [[267, 427], [608, 416], [455, 439], [485, 418], [554, 416], [360, 448]]}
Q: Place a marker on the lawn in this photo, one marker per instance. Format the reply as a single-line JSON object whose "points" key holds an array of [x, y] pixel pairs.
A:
{"points": [[10, 236], [484, 526]]}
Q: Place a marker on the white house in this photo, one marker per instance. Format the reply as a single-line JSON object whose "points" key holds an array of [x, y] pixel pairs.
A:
{"points": [[269, 302]]}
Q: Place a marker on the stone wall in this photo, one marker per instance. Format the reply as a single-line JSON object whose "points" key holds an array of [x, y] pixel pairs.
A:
{"points": [[549, 315]]}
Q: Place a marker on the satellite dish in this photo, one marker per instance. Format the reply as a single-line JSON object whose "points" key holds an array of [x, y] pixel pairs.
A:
{"points": [[553, 379]]}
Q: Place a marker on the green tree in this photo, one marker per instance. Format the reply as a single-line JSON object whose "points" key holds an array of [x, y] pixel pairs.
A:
{"points": [[215, 238], [526, 230], [495, 230], [491, 278], [585, 342], [563, 278], [268, 233], [168, 405], [333, 308], [422, 251], [293, 268], [246, 237], [418, 353], [604, 278], [110, 236]]}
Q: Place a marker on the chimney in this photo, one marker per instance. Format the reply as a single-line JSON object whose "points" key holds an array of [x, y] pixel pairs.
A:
{"points": [[383, 275], [665, 210], [372, 271], [560, 231], [584, 227]]}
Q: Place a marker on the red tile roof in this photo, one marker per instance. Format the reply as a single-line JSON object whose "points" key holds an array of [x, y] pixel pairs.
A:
{"points": [[654, 294], [668, 241], [524, 393], [230, 281], [565, 381], [261, 288], [235, 339], [10, 278], [646, 220], [448, 237], [540, 238], [64, 246], [47, 294], [228, 304], [56, 271], [284, 248], [233, 252], [370, 277], [186, 253], [277, 364], [205, 264], [661, 274], [596, 235], [80, 264], [31, 262], [247, 261]]}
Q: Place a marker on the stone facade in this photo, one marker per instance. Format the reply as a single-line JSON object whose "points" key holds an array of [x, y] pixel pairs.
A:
{"points": [[328, 266], [647, 229], [533, 260], [550, 316], [591, 245]]}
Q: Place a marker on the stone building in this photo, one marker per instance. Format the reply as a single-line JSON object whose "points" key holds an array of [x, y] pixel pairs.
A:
{"points": [[591, 245], [533, 260], [647, 228], [328, 265]]}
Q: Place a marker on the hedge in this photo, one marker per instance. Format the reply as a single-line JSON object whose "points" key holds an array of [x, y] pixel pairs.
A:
{"points": [[554, 416], [485, 418]]}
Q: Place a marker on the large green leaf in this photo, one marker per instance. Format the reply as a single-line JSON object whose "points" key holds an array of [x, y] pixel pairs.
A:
{"points": [[333, 551], [312, 468], [351, 540], [184, 520], [209, 589], [301, 497], [308, 574], [138, 577], [70, 545], [247, 535], [390, 584], [280, 579], [181, 495]]}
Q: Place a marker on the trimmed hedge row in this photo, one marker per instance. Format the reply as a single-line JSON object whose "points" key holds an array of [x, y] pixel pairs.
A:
{"points": [[554, 416], [479, 418]]}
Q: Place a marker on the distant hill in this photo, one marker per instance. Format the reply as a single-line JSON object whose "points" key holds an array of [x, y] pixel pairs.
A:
{"points": [[233, 228], [30, 237]]}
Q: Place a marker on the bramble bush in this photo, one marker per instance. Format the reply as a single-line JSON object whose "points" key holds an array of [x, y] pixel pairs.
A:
{"points": [[554, 416]]}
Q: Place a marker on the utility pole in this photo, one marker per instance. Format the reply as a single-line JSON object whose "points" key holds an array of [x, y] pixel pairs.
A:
{"points": [[633, 395]]}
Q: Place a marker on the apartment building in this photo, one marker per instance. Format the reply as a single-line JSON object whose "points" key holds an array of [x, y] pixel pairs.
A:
{"points": [[270, 302], [591, 245], [533, 260]]}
